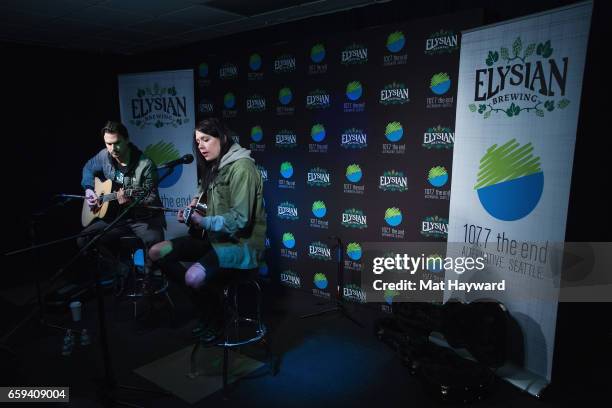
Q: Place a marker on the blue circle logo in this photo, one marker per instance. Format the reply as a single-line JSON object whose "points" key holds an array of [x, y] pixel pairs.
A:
{"points": [[510, 181]]}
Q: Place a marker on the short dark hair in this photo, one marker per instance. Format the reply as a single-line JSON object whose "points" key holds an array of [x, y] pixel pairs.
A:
{"points": [[115, 127]]}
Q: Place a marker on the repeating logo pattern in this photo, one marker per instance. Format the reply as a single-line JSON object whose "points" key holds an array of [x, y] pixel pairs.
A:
{"points": [[323, 129]]}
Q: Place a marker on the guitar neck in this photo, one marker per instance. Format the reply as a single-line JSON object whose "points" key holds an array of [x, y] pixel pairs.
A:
{"points": [[108, 197], [113, 196]]}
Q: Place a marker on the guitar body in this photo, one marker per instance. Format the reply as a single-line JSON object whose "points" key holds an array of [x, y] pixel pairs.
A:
{"points": [[200, 208], [101, 189]]}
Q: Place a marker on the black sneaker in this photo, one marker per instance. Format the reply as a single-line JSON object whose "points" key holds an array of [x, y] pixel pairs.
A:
{"points": [[197, 331], [211, 335]]}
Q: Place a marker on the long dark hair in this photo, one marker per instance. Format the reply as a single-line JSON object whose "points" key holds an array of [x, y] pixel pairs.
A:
{"points": [[207, 171]]}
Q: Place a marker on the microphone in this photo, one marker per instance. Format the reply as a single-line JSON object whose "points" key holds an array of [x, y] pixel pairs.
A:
{"points": [[186, 159]]}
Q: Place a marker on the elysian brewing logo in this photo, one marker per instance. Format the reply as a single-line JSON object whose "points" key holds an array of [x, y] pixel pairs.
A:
{"points": [[512, 84], [284, 63], [318, 99], [439, 138], [354, 175], [290, 279], [256, 103], [264, 172], [257, 137], [228, 71], [434, 227], [319, 250], [318, 177], [319, 210], [353, 218], [287, 211], [395, 44], [354, 138], [318, 135], [354, 54], [393, 181], [205, 106], [286, 139], [441, 42], [394, 94], [353, 293], [317, 57], [158, 106]]}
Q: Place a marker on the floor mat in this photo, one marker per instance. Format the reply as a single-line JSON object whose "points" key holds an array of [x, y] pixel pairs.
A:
{"points": [[172, 372]]}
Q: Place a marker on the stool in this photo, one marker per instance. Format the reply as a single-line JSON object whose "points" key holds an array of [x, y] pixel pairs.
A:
{"points": [[138, 284], [234, 320]]}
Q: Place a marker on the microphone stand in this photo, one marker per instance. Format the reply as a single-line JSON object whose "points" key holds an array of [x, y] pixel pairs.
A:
{"points": [[110, 383], [338, 302], [39, 293]]}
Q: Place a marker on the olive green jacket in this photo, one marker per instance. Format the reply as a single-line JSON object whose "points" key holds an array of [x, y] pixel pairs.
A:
{"points": [[236, 220]]}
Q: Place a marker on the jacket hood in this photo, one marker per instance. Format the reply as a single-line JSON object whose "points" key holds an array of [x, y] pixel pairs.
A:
{"points": [[235, 152]]}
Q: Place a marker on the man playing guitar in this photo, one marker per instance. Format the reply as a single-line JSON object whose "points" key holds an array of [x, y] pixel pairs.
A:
{"points": [[128, 169]]}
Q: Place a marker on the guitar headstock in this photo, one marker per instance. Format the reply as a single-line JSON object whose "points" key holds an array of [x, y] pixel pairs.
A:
{"points": [[136, 193]]}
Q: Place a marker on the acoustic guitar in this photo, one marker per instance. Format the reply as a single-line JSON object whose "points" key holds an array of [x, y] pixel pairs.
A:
{"points": [[199, 208], [105, 193]]}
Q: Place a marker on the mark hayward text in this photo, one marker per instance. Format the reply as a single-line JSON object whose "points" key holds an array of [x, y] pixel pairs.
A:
{"points": [[408, 285]]}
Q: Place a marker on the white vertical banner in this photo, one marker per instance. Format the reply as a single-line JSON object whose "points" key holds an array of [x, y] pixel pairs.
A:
{"points": [[158, 110], [517, 112]]}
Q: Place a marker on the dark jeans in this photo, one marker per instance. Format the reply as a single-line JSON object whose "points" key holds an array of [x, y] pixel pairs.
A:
{"points": [[150, 231], [208, 299]]}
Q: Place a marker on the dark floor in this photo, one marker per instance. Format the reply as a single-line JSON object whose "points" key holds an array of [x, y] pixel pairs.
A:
{"points": [[325, 361]]}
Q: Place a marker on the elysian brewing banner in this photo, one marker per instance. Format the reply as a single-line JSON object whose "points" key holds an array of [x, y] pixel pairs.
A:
{"points": [[158, 110], [517, 112]]}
